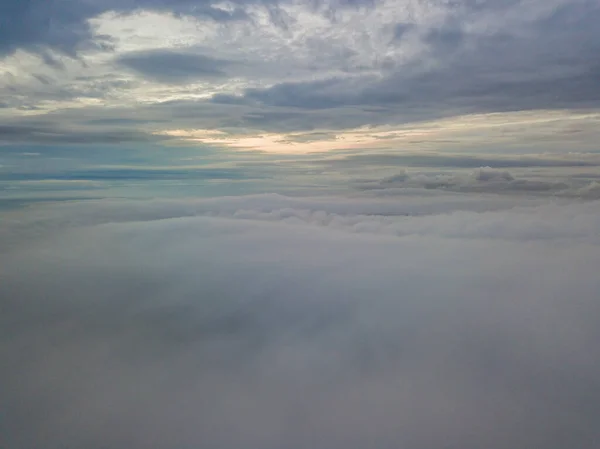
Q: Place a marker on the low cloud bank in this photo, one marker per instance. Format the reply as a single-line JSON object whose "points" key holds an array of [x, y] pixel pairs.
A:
{"points": [[485, 180], [270, 322]]}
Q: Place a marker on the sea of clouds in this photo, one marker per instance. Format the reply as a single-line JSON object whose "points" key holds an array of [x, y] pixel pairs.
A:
{"points": [[441, 321]]}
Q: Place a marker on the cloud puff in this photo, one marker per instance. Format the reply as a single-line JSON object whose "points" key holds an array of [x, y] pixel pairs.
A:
{"points": [[590, 191], [485, 179], [154, 328], [488, 174]]}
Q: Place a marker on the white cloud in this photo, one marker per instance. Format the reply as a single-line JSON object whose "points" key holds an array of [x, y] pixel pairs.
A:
{"points": [[40, 222], [278, 323]]}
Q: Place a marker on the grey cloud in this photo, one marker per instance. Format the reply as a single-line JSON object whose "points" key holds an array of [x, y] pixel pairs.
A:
{"points": [[481, 180], [45, 133], [37, 24], [446, 37], [240, 116], [46, 80], [173, 66], [311, 137], [449, 160], [305, 95], [50, 89], [469, 69], [26, 107], [486, 174], [552, 67], [51, 60], [337, 335], [484, 180], [400, 29], [121, 121], [590, 191], [397, 178], [44, 222]]}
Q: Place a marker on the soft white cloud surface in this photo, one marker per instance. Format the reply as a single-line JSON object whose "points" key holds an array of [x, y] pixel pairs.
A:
{"points": [[272, 322]]}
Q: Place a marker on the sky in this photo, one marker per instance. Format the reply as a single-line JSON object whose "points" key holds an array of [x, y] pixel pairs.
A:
{"points": [[265, 95], [290, 224]]}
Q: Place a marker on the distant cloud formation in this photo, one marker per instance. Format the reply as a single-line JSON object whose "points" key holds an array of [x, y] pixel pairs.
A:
{"points": [[295, 66], [278, 322], [484, 179], [169, 66], [69, 169]]}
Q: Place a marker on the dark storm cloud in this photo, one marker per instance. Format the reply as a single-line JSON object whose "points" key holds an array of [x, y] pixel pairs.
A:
{"points": [[173, 66]]}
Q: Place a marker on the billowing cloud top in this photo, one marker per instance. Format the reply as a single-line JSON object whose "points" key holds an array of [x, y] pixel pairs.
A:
{"points": [[274, 322]]}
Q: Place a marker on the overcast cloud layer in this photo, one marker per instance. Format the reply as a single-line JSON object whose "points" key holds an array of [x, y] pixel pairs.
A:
{"points": [[270, 322], [188, 68]]}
